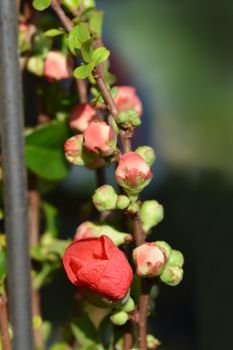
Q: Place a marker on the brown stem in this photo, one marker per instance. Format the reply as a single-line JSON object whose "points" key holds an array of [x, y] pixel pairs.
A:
{"points": [[128, 337], [139, 234], [82, 90], [143, 313], [67, 23], [4, 324]]}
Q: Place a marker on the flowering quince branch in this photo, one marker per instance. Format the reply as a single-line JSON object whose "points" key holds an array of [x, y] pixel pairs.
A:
{"points": [[93, 262]]}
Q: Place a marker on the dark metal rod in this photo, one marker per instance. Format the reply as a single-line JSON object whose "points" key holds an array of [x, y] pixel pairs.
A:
{"points": [[14, 176]]}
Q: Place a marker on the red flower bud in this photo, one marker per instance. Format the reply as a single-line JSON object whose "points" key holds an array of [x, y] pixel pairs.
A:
{"points": [[57, 66], [97, 265], [132, 172], [81, 115], [100, 138], [149, 259], [126, 98]]}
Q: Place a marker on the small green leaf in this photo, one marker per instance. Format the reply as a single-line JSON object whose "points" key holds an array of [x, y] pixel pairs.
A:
{"points": [[51, 219], [84, 331], [87, 51], [54, 32], [44, 150], [3, 266], [96, 22], [41, 5], [84, 71], [100, 55], [59, 346], [77, 36], [71, 4]]}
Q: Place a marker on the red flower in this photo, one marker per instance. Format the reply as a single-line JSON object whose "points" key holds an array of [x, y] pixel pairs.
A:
{"points": [[132, 172], [81, 115], [56, 66], [100, 138], [127, 98], [96, 264], [149, 259]]}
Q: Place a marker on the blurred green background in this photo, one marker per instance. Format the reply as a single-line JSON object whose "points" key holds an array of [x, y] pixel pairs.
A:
{"points": [[179, 55]]}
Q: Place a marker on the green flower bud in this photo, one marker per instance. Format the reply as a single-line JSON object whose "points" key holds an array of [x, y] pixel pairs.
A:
{"points": [[176, 258], [129, 306], [105, 198], [147, 153], [151, 214], [152, 342], [172, 275], [119, 318], [165, 247], [35, 65], [122, 202]]}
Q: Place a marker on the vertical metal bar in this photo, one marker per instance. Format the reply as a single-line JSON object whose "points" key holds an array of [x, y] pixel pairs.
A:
{"points": [[14, 175]]}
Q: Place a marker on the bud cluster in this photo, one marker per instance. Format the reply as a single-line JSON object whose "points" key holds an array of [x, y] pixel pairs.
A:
{"points": [[158, 259]]}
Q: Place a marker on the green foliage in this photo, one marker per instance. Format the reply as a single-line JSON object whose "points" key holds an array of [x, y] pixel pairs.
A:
{"points": [[84, 331], [71, 4], [41, 5], [84, 71], [87, 51], [44, 150], [59, 346], [51, 219], [78, 36], [100, 55], [54, 32], [96, 22]]}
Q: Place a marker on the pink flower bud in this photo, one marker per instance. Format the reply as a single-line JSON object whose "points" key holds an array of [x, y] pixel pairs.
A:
{"points": [[57, 66], [100, 138], [126, 98], [81, 115], [77, 154], [132, 172], [149, 259]]}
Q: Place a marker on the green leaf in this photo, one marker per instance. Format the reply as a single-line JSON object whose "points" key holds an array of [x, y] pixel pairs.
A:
{"points": [[51, 219], [77, 36], [44, 150], [59, 346], [96, 22], [41, 5], [100, 55], [87, 51], [3, 266], [71, 4], [106, 332], [84, 71], [54, 32], [84, 331]]}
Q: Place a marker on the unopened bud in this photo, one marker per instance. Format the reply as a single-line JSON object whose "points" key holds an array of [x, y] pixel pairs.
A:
{"points": [[89, 230], [129, 306], [151, 214], [165, 247], [147, 153], [152, 342], [176, 258], [172, 275], [105, 198], [119, 318], [132, 173], [122, 202], [149, 259], [76, 154]]}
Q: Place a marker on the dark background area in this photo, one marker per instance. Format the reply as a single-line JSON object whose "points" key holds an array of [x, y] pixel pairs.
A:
{"points": [[179, 55]]}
